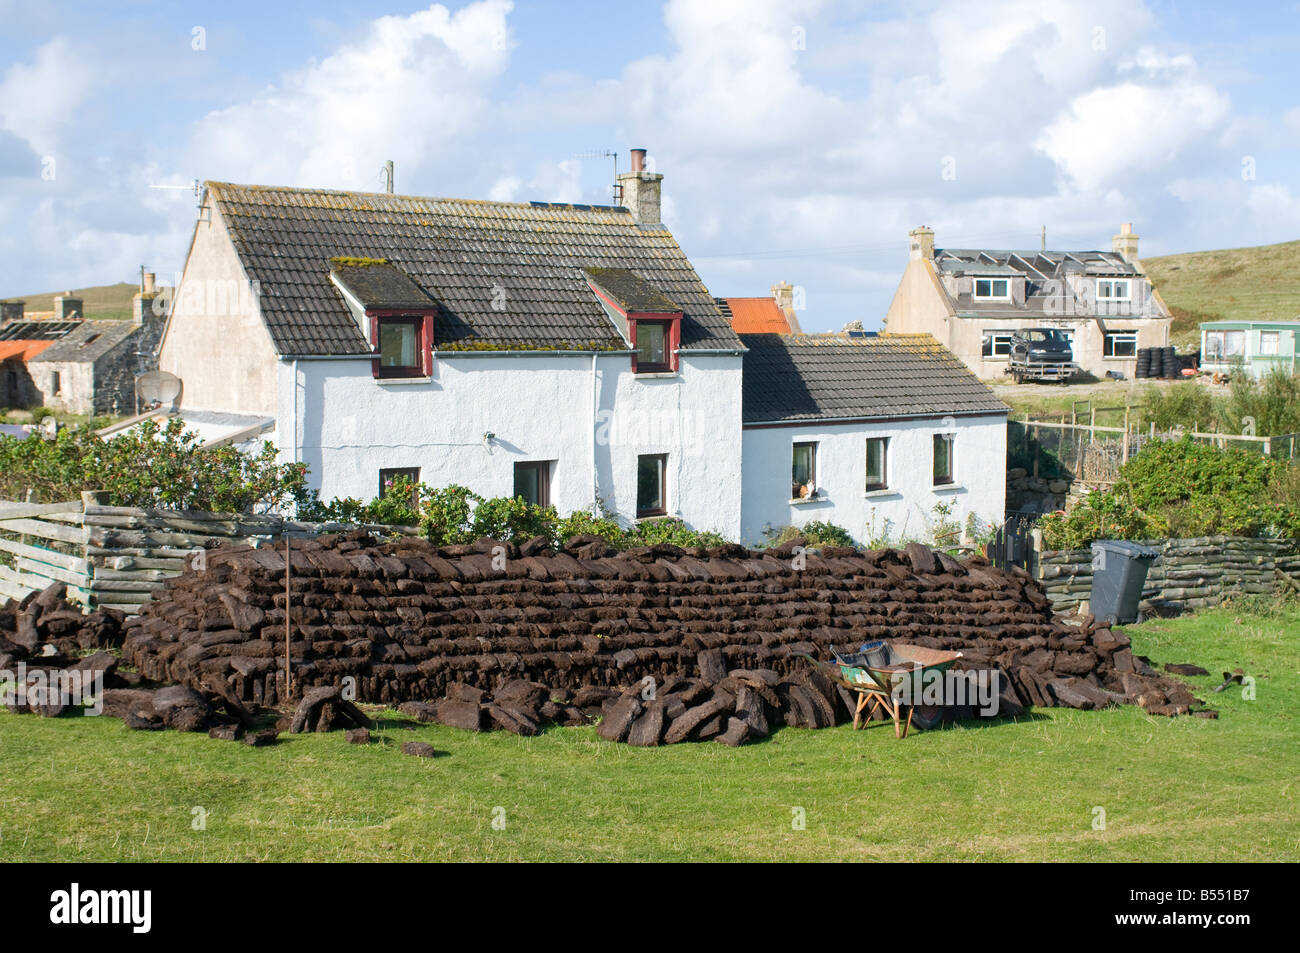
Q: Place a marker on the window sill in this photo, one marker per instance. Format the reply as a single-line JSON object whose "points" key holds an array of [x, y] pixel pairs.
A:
{"points": [[402, 381], [948, 488], [650, 517], [809, 500], [873, 494], [653, 375]]}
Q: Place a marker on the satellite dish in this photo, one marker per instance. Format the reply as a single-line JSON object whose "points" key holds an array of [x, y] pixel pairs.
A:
{"points": [[158, 388]]}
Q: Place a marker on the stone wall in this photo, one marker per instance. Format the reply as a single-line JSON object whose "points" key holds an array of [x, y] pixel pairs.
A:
{"points": [[1190, 573]]}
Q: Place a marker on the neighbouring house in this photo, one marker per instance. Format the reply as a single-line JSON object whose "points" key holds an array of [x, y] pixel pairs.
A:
{"points": [[974, 300], [1256, 346], [78, 366], [871, 433], [774, 315], [566, 354]]}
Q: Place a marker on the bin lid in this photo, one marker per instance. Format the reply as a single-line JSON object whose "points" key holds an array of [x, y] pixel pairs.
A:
{"points": [[1125, 548]]}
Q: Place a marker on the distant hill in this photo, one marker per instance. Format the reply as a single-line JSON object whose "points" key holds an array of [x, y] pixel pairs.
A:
{"points": [[1260, 283], [105, 302]]}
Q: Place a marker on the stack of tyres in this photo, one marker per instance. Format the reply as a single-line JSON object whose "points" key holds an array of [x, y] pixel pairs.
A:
{"points": [[1169, 362], [1143, 362]]}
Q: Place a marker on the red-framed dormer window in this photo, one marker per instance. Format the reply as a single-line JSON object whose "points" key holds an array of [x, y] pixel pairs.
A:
{"points": [[402, 344], [655, 340]]}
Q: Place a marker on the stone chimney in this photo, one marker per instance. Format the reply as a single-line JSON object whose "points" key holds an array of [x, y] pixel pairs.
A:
{"points": [[641, 190], [921, 243], [67, 308], [1125, 244], [783, 295], [11, 311], [145, 306]]}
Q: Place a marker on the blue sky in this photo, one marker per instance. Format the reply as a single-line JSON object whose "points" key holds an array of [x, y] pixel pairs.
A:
{"points": [[799, 139]]}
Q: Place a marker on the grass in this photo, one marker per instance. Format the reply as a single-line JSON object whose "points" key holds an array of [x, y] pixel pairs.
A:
{"points": [[1257, 283], [102, 302], [1185, 789]]}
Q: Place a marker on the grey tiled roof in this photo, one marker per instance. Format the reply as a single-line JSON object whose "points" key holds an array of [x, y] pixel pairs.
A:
{"points": [[378, 284], [631, 292], [504, 275], [89, 341], [791, 377]]}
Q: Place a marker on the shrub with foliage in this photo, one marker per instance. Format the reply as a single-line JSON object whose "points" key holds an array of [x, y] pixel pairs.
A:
{"points": [[1184, 488], [149, 466], [816, 532]]}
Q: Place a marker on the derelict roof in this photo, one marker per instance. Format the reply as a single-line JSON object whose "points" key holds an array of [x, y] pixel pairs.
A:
{"points": [[630, 292], [376, 283], [755, 315], [503, 275], [36, 330], [797, 377]]}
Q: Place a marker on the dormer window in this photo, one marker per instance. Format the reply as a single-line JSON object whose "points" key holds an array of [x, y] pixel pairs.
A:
{"points": [[993, 289], [1113, 289], [651, 322], [393, 312]]}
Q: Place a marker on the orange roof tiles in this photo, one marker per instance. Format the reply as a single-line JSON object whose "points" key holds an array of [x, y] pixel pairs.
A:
{"points": [[23, 350], [757, 316]]}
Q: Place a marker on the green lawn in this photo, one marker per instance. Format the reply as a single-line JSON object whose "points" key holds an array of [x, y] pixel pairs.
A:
{"points": [[1172, 789]]}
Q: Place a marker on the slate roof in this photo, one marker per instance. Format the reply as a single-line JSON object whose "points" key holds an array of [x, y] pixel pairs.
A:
{"points": [[378, 284], [90, 341], [631, 292], [795, 377], [504, 275]]}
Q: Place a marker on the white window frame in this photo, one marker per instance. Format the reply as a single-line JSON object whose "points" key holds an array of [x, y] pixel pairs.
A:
{"points": [[995, 334], [1108, 337], [1275, 337], [1223, 335], [1112, 285], [975, 290], [885, 487]]}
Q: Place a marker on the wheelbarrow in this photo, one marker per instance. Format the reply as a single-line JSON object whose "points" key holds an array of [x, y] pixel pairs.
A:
{"points": [[884, 673]]}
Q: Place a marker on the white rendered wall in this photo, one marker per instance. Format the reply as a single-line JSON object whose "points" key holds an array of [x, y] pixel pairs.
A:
{"points": [[905, 508], [347, 426]]}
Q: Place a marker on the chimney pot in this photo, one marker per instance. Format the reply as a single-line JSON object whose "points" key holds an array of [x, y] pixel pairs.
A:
{"points": [[641, 191], [1125, 244], [149, 277], [921, 243]]}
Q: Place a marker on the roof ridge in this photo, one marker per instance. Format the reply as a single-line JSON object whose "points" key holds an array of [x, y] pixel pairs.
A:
{"points": [[300, 190]]}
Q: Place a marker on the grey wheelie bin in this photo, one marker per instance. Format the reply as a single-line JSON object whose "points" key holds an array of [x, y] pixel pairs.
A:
{"points": [[1119, 571]]}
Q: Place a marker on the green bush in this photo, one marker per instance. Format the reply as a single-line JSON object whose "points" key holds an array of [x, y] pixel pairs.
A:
{"points": [[1184, 488], [148, 466], [672, 531], [1264, 406], [1185, 405], [816, 532], [513, 518]]}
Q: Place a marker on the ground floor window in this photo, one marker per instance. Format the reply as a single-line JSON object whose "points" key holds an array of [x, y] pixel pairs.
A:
{"points": [[388, 478], [997, 343], [1269, 342], [1224, 344], [56, 383], [803, 471], [652, 484], [943, 458], [877, 460], [533, 482], [1120, 344]]}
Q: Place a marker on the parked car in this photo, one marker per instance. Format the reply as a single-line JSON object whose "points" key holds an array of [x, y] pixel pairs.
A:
{"points": [[1041, 346]]}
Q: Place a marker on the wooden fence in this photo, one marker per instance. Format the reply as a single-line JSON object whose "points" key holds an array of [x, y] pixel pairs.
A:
{"points": [[119, 556]]}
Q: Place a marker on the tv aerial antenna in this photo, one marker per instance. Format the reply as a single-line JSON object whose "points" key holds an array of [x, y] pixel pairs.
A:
{"points": [[196, 187], [616, 189]]}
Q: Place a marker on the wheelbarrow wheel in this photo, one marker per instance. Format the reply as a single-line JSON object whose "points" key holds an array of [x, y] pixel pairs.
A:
{"points": [[926, 717]]}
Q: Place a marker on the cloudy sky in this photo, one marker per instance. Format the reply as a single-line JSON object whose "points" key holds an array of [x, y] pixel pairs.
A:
{"points": [[799, 139]]}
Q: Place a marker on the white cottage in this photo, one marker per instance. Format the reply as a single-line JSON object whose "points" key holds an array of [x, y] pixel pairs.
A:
{"points": [[568, 354]]}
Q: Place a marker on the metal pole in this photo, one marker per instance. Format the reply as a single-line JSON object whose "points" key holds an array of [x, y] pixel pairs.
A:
{"points": [[288, 688]]}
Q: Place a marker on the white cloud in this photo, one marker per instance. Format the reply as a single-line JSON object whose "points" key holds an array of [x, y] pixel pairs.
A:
{"points": [[38, 100], [1108, 132], [410, 89]]}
